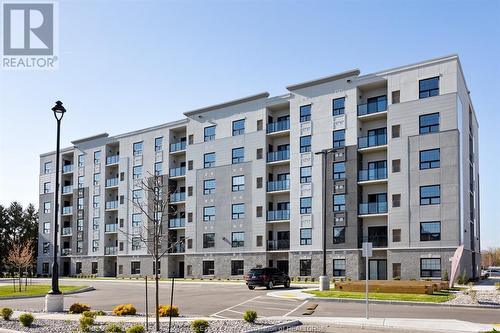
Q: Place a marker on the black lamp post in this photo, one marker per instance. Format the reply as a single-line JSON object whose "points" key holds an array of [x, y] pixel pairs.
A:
{"points": [[59, 111]]}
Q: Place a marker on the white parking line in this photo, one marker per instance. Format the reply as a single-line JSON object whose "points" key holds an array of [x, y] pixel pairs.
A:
{"points": [[238, 312], [263, 302], [232, 307], [295, 309]]}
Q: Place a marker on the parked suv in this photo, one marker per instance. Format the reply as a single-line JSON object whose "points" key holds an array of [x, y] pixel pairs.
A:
{"points": [[266, 277]]}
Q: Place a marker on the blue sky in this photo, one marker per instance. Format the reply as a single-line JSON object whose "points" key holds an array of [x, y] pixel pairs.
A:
{"points": [[126, 65]]}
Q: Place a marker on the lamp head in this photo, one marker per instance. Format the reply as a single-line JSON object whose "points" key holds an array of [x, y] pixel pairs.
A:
{"points": [[59, 110]]}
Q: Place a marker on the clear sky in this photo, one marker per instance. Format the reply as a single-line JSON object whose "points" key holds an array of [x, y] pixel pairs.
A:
{"points": [[126, 65]]}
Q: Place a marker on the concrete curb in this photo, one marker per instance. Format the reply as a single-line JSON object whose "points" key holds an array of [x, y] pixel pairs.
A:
{"points": [[277, 327], [78, 291]]}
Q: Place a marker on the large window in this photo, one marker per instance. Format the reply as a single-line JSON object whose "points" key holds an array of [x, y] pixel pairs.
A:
{"points": [[338, 235], [46, 187], [209, 186], [97, 157], [429, 123], [237, 267], [208, 240], [238, 183], [136, 219], [338, 139], [81, 160], [137, 148], [430, 231], [305, 267], [159, 143], [135, 267], [136, 196], [339, 170], [95, 245], [305, 236], [238, 155], [429, 87], [430, 195], [430, 267], [158, 168], [46, 167], [306, 205], [208, 267], [209, 133], [95, 201], [46, 227], [80, 181], [97, 179], [136, 243], [209, 213], [238, 239], [338, 267], [429, 159], [137, 172], [238, 211], [305, 113], [305, 144], [338, 106], [209, 160], [339, 202], [46, 207], [305, 174], [238, 127]]}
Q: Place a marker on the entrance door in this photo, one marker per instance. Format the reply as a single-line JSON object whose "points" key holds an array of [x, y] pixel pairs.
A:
{"points": [[377, 269], [181, 269], [66, 268], [282, 265]]}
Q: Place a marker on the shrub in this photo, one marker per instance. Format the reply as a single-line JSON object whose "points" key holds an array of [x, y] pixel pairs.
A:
{"points": [[113, 328], [26, 319], [199, 326], [100, 313], [250, 316], [135, 329], [78, 308], [397, 278], [6, 313], [124, 310], [497, 285], [445, 275], [90, 314], [166, 311], [85, 323]]}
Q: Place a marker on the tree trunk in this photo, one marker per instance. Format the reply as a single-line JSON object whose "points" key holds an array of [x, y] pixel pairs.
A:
{"points": [[20, 279]]}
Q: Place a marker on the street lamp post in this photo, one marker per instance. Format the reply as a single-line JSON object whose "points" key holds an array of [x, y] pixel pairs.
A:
{"points": [[324, 281], [54, 299]]}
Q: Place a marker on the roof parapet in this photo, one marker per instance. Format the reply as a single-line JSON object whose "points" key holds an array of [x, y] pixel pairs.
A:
{"points": [[227, 104], [90, 138], [325, 79]]}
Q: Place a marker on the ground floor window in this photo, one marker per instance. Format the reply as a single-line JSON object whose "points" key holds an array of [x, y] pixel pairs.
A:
{"points": [[305, 267], [237, 267], [120, 269], [94, 267], [45, 268], [339, 267], [78, 269], [396, 270], [430, 267], [208, 267], [159, 267], [135, 267]]}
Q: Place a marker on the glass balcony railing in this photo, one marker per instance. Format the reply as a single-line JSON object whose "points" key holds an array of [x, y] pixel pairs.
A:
{"points": [[67, 210], [176, 172], [110, 250], [67, 168], [112, 227], [66, 231], [369, 108], [178, 248], [372, 208], [372, 174], [281, 155], [67, 189], [372, 141], [278, 185], [276, 245], [178, 196], [112, 159], [178, 222], [378, 241], [278, 215], [278, 126], [112, 204], [177, 146], [65, 251], [110, 182]]}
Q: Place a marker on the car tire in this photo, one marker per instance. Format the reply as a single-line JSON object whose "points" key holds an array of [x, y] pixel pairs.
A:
{"points": [[269, 285], [251, 287], [287, 283]]}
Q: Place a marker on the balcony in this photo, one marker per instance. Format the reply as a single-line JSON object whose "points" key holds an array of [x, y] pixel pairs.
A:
{"points": [[278, 215], [68, 210], [276, 156], [67, 168], [278, 245], [177, 172], [67, 189], [278, 185], [67, 231], [372, 174], [378, 240], [372, 208], [114, 159], [177, 197], [177, 146], [178, 248], [278, 126], [110, 250], [372, 108], [66, 251], [111, 182], [112, 205], [372, 141], [110, 228], [179, 222]]}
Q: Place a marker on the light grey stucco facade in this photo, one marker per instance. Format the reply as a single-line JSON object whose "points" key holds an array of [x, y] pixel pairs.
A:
{"points": [[402, 173]]}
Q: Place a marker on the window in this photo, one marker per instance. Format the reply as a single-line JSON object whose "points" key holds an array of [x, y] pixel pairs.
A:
{"points": [[430, 195], [137, 148], [97, 179], [238, 183], [95, 245], [338, 139], [305, 205], [136, 196], [97, 157], [238, 127], [78, 268], [396, 235], [339, 202], [208, 267], [260, 124], [238, 239], [137, 172], [46, 246], [395, 131], [259, 240], [396, 166], [158, 168], [430, 267], [238, 211], [209, 133], [338, 267], [305, 267], [259, 153], [305, 174], [95, 201], [46, 207], [338, 106], [136, 243], [208, 240], [80, 182], [430, 231], [339, 170], [46, 187], [305, 236], [259, 182], [338, 235], [46, 227], [396, 270], [79, 225], [429, 159], [428, 87], [305, 144], [238, 155], [237, 267], [209, 213], [45, 268], [396, 200], [429, 123], [209, 160], [159, 143], [136, 220], [46, 167], [79, 203], [135, 267], [396, 97], [95, 223], [305, 113], [81, 160], [209, 186]]}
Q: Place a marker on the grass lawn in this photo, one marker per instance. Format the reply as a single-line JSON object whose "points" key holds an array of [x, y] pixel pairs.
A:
{"points": [[33, 290], [437, 297]]}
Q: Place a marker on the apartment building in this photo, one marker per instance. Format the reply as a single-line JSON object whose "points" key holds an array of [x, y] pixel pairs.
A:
{"points": [[247, 187]]}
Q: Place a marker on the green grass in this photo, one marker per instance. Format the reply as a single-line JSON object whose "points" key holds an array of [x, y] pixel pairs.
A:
{"points": [[33, 290], [437, 297]]}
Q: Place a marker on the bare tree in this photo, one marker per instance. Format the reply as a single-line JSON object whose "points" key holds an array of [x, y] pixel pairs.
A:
{"points": [[490, 257], [153, 201], [21, 257]]}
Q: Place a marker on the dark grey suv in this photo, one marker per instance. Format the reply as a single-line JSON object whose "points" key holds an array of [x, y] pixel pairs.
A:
{"points": [[266, 277]]}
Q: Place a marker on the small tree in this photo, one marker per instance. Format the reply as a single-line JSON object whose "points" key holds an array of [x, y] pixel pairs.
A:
{"points": [[21, 257]]}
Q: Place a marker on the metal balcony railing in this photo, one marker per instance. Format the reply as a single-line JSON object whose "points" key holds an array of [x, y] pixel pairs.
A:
{"points": [[369, 108], [179, 222], [112, 227], [372, 141], [177, 146], [112, 159], [278, 185], [278, 126], [177, 196], [280, 155], [178, 248], [276, 245], [372, 174], [112, 182], [278, 215], [377, 240], [112, 204], [175, 172], [67, 210], [110, 250], [67, 231], [67, 168], [67, 189], [65, 251], [372, 208]]}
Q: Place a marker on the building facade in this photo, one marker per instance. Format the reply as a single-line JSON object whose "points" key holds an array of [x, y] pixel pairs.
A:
{"points": [[402, 172]]}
